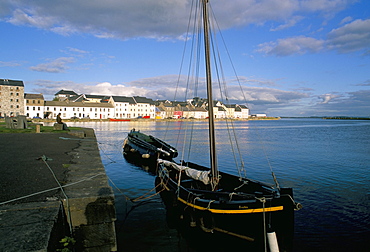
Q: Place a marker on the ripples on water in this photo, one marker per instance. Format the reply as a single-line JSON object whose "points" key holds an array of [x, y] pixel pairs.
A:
{"points": [[325, 161]]}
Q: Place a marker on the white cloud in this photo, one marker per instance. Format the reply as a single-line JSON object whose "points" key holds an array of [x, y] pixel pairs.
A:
{"points": [[161, 19], [325, 5], [290, 23], [342, 104], [346, 20], [364, 84], [326, 98], [289, 46], [75, 50], [9, 64], [351, 37], [54, 66]]}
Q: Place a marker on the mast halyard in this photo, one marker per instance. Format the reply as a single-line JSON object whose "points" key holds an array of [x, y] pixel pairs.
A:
{"points": [[212, 139]]}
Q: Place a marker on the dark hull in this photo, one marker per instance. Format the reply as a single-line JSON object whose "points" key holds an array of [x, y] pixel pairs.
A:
{"points": [[247, 215], [147, 148]]}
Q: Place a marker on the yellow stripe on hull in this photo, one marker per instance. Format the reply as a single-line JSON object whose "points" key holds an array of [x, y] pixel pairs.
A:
{"points": [[235, 211]]}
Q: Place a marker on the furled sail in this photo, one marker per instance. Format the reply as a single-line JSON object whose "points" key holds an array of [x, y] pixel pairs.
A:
{"points": [[192, 173]]}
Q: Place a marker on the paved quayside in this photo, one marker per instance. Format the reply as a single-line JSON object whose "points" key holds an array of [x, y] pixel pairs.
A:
{"points": [[28, 164]]}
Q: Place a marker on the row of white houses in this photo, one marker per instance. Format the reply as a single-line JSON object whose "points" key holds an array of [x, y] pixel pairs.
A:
{"points": [[103, 108], [71, 105]]}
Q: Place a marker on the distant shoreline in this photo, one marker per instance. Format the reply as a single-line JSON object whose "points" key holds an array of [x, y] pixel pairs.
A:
{"points": [[151, 119], [347, 118], [331, 117]]}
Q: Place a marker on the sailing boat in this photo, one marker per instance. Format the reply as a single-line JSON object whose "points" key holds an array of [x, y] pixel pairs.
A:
{"points": [[216, 201]]}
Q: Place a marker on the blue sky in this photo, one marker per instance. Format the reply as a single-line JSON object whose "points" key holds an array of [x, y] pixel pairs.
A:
{"points": [[293, 57]]}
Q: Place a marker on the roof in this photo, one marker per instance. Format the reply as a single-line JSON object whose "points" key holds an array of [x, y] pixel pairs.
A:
{"points": [[140, 99], [78, 104], [66, 92], [123, 99], [230, 105], [76, 98], [7, 82], [94, 96], [33, 96]]}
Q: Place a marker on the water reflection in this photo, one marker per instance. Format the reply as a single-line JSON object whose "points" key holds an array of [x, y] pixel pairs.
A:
{"points": [[326, 162]]}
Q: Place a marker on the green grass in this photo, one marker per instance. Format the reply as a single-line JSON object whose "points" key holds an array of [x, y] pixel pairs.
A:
{"points": [[32, 129]]}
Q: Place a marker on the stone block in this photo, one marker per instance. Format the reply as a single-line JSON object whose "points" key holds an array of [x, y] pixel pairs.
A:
{"points": [[58, 126], [21, 122], [77, 133], [34, 226], [38, 127]]}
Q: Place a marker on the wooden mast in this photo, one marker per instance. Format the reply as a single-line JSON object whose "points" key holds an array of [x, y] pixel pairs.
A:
{"points": [[212, 139]]}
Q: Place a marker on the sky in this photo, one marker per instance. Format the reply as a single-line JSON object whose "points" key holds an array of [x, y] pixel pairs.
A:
{"points": [[292, 57]]}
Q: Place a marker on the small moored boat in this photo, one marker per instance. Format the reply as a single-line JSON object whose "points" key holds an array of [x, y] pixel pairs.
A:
{"points": [[147, 147]]}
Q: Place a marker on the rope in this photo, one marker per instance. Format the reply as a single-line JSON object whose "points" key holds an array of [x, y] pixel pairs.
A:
{"points": [[245, 182], [141, 198], [231, 195], [44, 158], [263, 200], [105, 154], [234, 234], [127, 198], [51, 189], [209, 204], [178, 185]]}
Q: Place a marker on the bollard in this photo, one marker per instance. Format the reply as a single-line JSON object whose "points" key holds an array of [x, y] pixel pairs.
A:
{"points": [[38, 128]]}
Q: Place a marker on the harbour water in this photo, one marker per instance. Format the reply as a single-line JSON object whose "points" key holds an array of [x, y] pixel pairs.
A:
{"points": [[327, 162]]}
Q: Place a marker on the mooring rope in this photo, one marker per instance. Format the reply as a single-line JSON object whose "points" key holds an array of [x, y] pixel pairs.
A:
{"points": [[142, 197], [263, 201], [44, 158], [51, 189]]}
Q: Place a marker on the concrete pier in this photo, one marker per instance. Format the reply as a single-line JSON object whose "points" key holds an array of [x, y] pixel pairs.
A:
{"points": [[34, 221]]}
